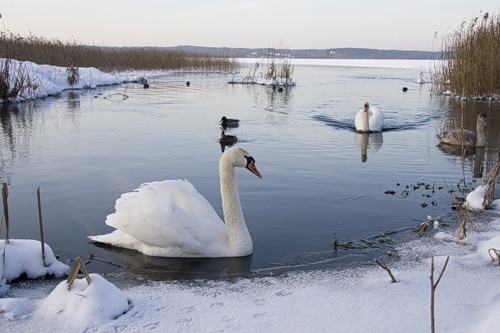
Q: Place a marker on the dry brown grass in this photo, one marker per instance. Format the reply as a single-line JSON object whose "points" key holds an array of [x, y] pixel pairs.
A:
{"points": [[471, 55], [66, 54]]}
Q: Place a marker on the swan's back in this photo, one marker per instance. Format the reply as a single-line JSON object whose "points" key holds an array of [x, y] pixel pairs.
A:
{"points": [[458, 137], [466, 137]]}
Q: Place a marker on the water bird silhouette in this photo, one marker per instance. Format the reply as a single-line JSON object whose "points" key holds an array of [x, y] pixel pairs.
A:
{"points": [[229, 122]]}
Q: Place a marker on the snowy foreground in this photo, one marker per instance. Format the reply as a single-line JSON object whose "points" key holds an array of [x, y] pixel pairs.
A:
{"points": [[348, 300], [341, 300]]}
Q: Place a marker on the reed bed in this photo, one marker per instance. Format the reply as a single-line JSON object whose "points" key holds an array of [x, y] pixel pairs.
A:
{"points": [[471, 55], [110, 59]]}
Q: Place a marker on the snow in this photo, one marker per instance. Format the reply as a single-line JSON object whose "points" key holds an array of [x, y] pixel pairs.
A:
{"points": [[48, 80], [474, 200], [99, 300], [359, 299], [24, 256]]}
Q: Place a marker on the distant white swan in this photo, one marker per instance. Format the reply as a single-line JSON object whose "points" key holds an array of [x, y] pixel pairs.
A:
{"points": [[466, 137], [421, 79], [369, 119], [171, 219]]}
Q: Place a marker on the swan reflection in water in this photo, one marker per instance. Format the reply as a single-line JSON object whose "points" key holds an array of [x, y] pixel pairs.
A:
{"points": [[161, 268], [471, 153], [372, 141]]}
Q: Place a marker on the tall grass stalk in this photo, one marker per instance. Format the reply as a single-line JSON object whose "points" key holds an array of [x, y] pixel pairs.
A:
{"points": [[471, 66]]}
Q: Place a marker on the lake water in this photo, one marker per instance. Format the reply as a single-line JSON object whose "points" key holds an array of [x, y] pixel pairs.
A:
{"points": [[321, 181]]}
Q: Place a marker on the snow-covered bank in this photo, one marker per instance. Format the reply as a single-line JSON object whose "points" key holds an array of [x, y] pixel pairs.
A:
{"points": [[40, 81]]}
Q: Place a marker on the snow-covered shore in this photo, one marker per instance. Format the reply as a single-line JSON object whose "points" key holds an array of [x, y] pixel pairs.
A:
{"points": [[40, 81], [337, 300]]}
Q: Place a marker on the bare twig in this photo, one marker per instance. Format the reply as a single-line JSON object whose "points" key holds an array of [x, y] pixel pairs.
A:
{"points": [[93, 257], [78, 266], [42, 238], [384, 266], [5, 195], [433, 289]]}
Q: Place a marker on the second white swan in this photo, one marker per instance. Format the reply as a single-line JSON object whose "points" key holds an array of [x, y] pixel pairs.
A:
{"points": [[369, 119], [171, 219]]}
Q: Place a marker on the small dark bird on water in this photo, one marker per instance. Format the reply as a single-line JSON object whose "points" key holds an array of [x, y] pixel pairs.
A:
{"points": [[227, 139], [188, 83], [405, 89], [228, 122]]}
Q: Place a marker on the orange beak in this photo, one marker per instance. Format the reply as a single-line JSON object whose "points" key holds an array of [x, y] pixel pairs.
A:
{"points": [[251, 166]]}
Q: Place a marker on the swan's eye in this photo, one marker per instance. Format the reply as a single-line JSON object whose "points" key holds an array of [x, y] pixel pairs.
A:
{"points": [[250, 160]]}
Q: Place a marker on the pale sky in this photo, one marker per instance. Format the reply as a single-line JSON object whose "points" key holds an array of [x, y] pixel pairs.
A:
{"points": [[293, 24]]}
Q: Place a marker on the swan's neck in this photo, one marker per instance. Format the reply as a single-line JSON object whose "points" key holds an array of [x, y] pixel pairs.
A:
{"points": [[481, 135], [365, 123], [239, 237]]}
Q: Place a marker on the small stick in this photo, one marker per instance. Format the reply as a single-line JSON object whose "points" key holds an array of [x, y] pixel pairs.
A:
{"points": [[384, 266], [78, 266], [433, 289], [93, 257], [42, 239], [5, 195]]}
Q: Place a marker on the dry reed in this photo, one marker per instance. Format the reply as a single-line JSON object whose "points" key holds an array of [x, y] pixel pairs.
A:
{"points": [[471, 65], [78, 266], [490, 182], [66, 54]]}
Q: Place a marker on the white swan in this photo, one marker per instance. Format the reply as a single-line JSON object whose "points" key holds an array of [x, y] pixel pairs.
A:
{"points": [[466, 137], [369, 119], [171, 219], [421, 79]]}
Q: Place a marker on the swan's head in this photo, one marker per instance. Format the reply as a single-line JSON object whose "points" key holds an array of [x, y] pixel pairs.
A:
{"points": [[481, 120], [239, 157], [366, 106]]}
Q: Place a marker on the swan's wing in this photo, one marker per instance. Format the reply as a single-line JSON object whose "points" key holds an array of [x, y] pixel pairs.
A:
{"points": [[376, 119], [169, 214], [458, 137], [358, 120]]}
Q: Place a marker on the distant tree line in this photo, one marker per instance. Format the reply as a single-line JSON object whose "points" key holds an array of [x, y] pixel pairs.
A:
{"points": [[332, 53]]}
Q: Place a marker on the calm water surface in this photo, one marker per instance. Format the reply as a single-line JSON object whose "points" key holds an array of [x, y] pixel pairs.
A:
{"points": [[321, 181]]}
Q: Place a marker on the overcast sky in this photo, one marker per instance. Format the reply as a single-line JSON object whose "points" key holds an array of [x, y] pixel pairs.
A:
{"points": [[293, 24]]}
